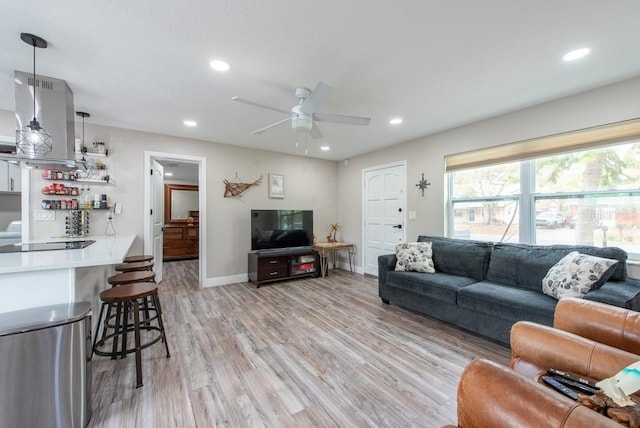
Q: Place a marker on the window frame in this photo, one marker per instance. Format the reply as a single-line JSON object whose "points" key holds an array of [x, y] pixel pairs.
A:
{"points": [[527, 199], [526, 152]]}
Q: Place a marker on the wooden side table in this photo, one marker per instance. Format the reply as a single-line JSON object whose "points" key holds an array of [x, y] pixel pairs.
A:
{"points": [[325, 249]]}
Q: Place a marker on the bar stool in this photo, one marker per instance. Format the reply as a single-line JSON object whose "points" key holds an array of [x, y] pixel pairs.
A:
{"points": [[127, 298], [141, 258], [133, 266], [130, 277], [124, 278]]}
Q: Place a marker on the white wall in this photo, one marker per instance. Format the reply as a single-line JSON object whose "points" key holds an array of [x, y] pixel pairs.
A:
{"points": [[309, 184], [608, 104], [187, 182], [7, 123]]}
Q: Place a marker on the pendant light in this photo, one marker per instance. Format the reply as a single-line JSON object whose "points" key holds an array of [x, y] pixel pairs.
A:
{"points": [[83, 149], [33, 141]]}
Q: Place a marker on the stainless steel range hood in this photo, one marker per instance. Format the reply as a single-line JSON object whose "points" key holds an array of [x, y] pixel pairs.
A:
{"points": [[55, 112]]}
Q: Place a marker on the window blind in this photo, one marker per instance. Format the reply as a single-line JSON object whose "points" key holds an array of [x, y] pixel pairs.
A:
{"points": [[588, 138]]}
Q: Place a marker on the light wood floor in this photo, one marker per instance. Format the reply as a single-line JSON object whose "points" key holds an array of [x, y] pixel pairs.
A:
{"points": [[319, 352]]}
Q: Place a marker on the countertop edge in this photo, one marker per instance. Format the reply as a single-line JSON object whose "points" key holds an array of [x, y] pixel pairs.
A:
{"points": [[117, 246]]}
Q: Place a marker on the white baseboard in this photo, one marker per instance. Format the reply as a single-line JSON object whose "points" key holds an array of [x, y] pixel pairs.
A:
{"points": [[243, 277], [224, 280]]}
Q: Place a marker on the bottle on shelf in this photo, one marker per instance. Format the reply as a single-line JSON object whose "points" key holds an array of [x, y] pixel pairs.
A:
{"points": [[88, 202], [83, 197]]}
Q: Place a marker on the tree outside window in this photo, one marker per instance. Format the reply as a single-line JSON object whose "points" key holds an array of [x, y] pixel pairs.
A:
{"points": [[589, 197]]}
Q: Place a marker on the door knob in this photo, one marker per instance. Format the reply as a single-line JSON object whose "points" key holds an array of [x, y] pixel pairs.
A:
{"points": [[397, 226]]}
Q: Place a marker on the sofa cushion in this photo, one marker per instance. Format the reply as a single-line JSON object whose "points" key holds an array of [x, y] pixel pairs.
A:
{"points": [[625, 294], [576, 274], [414, 256], [439, 286], [459, 257], [511, 303], [525, 266]]}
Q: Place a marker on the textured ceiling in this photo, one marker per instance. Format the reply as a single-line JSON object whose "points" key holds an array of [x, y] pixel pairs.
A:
{"points": [[144, 64]]}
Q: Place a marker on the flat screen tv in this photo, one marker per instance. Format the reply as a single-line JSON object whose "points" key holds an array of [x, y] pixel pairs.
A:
{"points": [[277, 229]]}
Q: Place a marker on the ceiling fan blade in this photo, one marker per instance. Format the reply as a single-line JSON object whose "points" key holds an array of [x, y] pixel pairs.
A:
{"points": [[338, 118], [315, 132], [317, 97], [261, 130], [251, 103]]}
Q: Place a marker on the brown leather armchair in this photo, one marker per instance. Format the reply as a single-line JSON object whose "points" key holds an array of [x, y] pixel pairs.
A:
{"points": [[611, 325], [591, 339], [493, 396], [535, 348]]}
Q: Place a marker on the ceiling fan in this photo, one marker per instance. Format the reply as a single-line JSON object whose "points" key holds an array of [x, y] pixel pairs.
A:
{"points": [[303, 115]]}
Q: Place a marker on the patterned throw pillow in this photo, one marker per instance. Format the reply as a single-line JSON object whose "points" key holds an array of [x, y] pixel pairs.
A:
{"points": [[576, 274], [414, 256]]}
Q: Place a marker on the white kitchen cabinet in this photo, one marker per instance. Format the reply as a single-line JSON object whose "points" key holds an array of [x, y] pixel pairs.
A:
{"points": [[15, 178], [10, 177], [4, 176]]}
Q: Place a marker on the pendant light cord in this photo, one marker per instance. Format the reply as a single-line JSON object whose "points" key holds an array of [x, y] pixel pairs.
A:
{"points": [[82, 149], [34, 79]]}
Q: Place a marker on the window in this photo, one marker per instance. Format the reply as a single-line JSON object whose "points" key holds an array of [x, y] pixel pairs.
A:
{"points": [[485, 203], [597, 194], [589, 197]]}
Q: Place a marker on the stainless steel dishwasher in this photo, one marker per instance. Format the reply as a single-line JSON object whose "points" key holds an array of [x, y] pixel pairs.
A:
{"points": [[45, 372]]}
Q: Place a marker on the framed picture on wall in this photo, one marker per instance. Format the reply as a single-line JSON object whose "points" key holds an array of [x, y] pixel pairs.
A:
{"points": [[276, 186]]}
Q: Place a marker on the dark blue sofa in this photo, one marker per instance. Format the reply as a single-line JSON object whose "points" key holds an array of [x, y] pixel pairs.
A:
{"points": [[486, 288]]}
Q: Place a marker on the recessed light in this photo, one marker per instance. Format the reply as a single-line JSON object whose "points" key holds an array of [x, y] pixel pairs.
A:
{"points": [[325, 148], [190, 123], [576, 54], [219, 65], [396, 121], [168, 174]]}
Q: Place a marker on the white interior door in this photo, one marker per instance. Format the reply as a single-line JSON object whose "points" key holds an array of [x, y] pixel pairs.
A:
{"points": [[157, 215], [384, 213]]}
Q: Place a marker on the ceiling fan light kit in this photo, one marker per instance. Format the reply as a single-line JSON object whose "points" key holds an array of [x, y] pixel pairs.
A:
{"points": [[303, 115], [300, 121]]}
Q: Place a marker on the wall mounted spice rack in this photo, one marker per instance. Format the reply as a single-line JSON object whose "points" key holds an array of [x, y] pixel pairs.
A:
{"points": [[75, 176], [85, 202]]}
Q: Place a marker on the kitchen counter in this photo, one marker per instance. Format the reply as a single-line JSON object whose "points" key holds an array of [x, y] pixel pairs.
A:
{"points": [[42, 278], [107, 250]]}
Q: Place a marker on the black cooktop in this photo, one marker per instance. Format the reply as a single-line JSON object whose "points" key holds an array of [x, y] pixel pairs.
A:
{"points": [[45, 246]]}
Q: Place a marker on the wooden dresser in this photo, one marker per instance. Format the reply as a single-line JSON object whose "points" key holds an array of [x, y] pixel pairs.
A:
{"points": [[181, 241]]}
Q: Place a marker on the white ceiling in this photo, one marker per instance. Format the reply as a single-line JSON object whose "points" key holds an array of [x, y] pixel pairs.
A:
{"points": [[180, 171], [438, 64]]}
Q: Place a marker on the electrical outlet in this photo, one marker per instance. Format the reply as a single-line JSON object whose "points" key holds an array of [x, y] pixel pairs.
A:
{"points": [[118, 209], [412, 215], [44, 215]]}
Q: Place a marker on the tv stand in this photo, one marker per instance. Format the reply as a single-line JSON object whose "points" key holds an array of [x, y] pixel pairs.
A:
{"points": [[283, 263]]}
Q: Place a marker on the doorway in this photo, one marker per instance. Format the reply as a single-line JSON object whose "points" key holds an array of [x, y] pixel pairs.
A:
{"points": [[185, 168], [384, 216]]}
